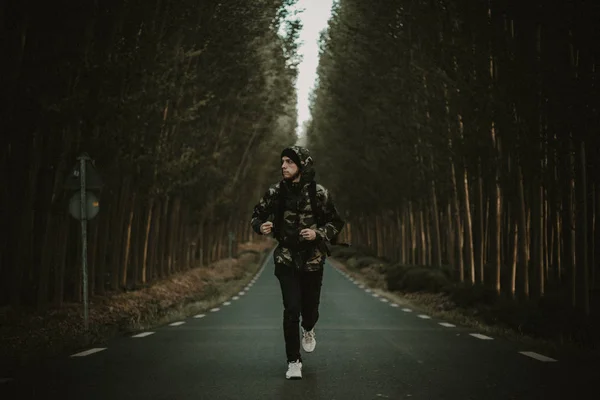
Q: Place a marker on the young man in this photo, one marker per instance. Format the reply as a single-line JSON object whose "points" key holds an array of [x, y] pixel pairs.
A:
{"points": [[302, 232]]}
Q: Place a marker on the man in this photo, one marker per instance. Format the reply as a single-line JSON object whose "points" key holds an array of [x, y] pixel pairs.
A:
{"points": [[302, 232]]}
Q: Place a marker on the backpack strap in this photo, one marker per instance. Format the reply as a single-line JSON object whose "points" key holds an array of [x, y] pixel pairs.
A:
{"points": [[312, 194]]}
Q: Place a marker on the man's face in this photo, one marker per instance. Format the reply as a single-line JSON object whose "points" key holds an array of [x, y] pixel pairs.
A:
{"points": [[288, 168]]}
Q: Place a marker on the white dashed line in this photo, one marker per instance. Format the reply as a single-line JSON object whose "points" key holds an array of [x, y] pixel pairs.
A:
{"points": [[5, 380], [88, 352], [143, 334], [214, 309], [241, 293], [447, 325], [235, 298], [394, 305], [406, 310], [368, 290], [480, 336], [423, 316], [384, 300], [361, 286], [199, 316], [537, 356], [227, 303], [177, 323]]}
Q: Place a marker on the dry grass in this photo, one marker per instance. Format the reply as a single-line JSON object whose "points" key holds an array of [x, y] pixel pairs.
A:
{"points": [[26, 335]]}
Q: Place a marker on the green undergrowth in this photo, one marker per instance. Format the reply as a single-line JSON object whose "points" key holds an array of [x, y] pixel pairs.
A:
{"points": [[549, 318]]}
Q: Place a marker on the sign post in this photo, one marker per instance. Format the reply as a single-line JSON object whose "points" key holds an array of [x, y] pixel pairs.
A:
{"points": [[82, 160], [84, 206]]}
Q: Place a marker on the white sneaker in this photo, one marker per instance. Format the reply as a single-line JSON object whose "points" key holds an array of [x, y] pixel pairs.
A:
{"points": [[294, 370], [308, 340]]}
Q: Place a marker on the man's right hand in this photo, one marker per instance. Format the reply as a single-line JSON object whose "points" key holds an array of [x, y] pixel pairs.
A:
{"points": [[266, 228]]}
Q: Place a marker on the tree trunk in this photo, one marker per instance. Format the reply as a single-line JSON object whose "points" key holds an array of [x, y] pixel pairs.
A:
{"points": [[147, 240], [127, 249], [522, 232]]}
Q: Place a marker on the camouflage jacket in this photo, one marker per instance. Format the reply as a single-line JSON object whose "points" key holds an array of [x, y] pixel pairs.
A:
{"points": [[297, 216], [294, 250]]}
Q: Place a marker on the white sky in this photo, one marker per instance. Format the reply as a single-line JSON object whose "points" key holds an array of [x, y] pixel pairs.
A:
{"points": [[314, 19]]}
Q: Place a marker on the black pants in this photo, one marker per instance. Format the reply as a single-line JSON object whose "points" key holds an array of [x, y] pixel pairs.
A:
{"points": [[301, 292]]}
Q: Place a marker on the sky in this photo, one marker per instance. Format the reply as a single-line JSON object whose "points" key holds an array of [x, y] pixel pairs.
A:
{"points": [[314, 17]]}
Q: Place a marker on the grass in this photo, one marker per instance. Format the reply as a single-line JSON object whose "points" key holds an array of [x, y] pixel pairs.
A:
{"points": [[27, 335], [547, 324]]}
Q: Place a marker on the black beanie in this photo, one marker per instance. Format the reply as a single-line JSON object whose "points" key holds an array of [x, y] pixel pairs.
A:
{"points": [[293, 156]]}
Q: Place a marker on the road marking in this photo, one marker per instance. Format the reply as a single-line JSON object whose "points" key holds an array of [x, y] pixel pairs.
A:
{"points": [[384, 300], [480, 336], [361, 286], [143, 334], [88, 352], [406, 310], [368, 290], [214, 309], [424, 316], [227, 303], [375, 295], [199, 316], [5, 380], [447, 325], [235, 297], [537, 356], [241, 293], [394, 305], [177, 323]]}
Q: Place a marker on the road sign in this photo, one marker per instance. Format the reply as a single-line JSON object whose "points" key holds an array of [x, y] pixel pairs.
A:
{"points": [[92, 205], [92, 177]]}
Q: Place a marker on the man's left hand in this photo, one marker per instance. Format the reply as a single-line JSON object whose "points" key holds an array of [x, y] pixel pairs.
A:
{"points": [[308, 234]]}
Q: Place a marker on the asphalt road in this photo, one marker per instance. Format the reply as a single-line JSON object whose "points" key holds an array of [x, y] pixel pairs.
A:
{"points": [[366, 349]]}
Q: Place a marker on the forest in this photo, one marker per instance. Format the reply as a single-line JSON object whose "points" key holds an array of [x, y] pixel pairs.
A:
{"points": [[454, 135], [179, 104], [463, 135]]}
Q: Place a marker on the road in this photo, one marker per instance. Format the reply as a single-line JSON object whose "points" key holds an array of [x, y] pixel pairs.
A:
{"points": [[367, 348]]}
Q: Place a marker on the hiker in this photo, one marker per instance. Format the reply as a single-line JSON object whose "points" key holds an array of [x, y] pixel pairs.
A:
{"points": [[302, 217]]}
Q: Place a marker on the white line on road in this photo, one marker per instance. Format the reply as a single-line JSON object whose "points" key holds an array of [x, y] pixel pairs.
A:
{"points": [[394, 305], [375, 295], [447, 325], [406, 310], [368, 290], [227, 303], [384, 300], [235, 297], [214, 309], [537, 356], [480, 336], [88, 352], [361, 286], [241, 293], [423, 316], [143, 334], [177, 323], [199, 316]]}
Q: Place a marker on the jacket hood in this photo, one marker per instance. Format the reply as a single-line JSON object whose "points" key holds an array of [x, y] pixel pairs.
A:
{"points": [[306, 161]]}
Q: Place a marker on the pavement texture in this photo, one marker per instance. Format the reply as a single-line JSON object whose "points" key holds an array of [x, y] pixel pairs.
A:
{"points": [[367, 348]]}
